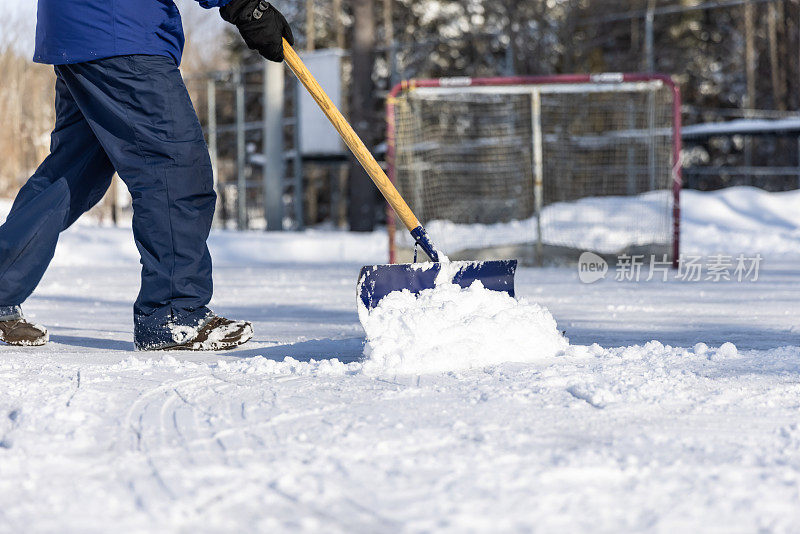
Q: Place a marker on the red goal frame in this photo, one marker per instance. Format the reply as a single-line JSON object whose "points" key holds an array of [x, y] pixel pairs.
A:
{"points": [[605, 78]]}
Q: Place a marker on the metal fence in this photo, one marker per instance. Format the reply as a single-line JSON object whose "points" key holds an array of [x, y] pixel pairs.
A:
{"points": [[248, 116]]}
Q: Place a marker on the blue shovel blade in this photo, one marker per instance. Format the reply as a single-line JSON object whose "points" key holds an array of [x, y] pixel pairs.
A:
{"points": [[377, 281]]}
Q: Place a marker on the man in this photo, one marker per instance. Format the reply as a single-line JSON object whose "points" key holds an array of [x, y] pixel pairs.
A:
{"points": [[121, 105]]}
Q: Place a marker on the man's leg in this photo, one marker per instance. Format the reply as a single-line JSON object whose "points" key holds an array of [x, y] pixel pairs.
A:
{"points": [[72, 179], [141, 113]]}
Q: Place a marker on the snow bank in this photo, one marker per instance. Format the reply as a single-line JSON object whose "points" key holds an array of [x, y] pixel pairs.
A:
{"points": [[309, 246], [449, 328], [729, 221], [603, 224], [741, 220]]}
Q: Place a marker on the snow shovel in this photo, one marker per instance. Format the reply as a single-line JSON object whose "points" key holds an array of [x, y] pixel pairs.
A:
{"points": [[377, 281]]}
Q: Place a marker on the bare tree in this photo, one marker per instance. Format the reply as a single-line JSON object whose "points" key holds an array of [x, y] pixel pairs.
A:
{"points": [[362, 113], [26, 106]]}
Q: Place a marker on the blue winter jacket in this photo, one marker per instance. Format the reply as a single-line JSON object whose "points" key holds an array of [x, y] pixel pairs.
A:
{"points": [[74, 31]]}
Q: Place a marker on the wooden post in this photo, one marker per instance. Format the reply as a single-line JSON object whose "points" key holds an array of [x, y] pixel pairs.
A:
{"points": [[750, 68], [388, 40], [341, 172], [649, 38], [777, 82], [388, 23], [311, 32], [783, 50], [338, 23], [749, 54], [341, 204]]}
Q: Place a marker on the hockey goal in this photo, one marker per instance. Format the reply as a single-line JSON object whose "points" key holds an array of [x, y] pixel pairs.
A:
{"points": [[538, 168]]}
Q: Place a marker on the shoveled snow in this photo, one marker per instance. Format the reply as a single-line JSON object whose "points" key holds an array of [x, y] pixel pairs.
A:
{"points": [[448, 328]]}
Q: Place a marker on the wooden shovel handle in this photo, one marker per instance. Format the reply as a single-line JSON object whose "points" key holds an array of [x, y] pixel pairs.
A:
{"points": [[350, 137]]}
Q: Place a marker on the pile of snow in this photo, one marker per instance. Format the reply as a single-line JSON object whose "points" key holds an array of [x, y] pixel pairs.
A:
{"points": [[741, 220], [733, 221], [449, 328], [604, 224]]}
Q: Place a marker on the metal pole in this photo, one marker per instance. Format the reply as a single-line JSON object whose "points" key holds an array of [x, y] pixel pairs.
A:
{"points": [[677, 175], [538, 169], [651, 137], [298, 163], [211, 126], [241, 181], [632, 184], [273, 145]]}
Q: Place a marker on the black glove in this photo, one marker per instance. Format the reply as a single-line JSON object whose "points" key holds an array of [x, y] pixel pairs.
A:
{"points": [[261, 26]]}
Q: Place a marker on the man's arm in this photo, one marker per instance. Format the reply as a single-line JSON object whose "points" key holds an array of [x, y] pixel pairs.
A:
{"points": [[262, 26]]}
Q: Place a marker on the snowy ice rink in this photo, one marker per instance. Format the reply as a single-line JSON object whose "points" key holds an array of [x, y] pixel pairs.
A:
{"points": [[676, 406]]}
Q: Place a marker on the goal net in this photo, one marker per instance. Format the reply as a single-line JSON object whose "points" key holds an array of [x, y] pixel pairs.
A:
{"points": [[538, 168]]}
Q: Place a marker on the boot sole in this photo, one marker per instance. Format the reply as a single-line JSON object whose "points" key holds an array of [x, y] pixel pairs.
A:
{"points": [[36, 343]]}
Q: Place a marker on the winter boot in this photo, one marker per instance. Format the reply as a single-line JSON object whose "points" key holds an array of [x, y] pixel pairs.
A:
{"points": [[21, 333], [215, 333]]}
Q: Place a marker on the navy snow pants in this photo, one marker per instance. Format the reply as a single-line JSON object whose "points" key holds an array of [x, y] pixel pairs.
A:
{"points": [[132, 115]]}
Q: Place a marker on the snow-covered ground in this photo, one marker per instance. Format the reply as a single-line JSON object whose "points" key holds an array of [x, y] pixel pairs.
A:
{"points": [[676, 406]]}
